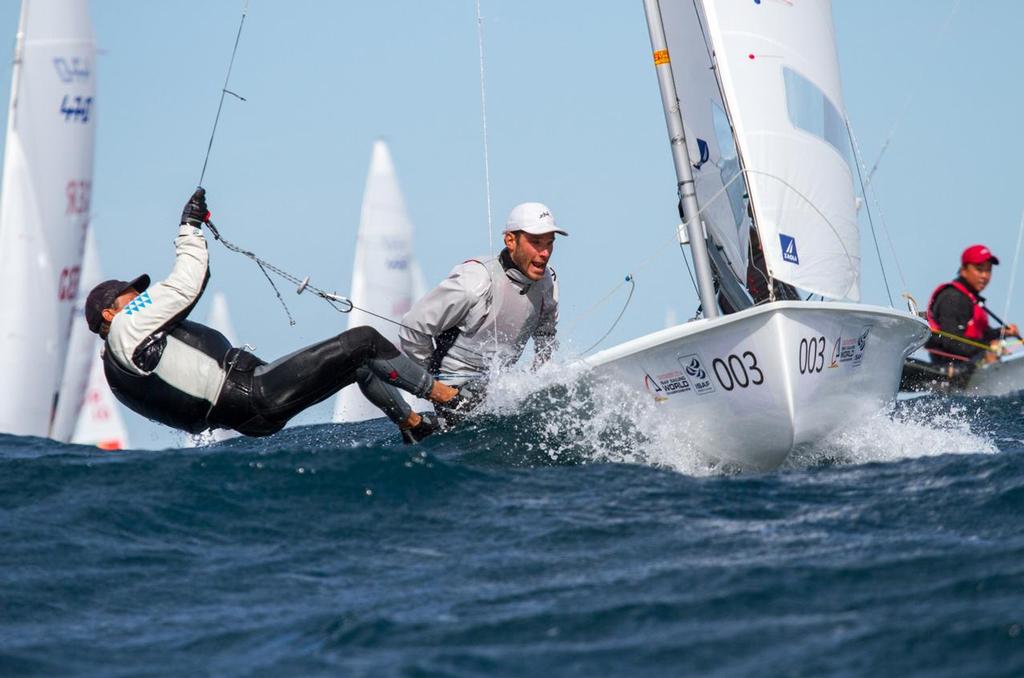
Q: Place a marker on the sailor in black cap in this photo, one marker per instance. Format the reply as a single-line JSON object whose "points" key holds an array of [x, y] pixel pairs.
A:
{"points": [[188, 376]]}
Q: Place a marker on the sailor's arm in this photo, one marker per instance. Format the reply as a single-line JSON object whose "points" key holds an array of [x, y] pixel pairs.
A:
{"points": [[459, 301], [165, 302], [545, 341]]}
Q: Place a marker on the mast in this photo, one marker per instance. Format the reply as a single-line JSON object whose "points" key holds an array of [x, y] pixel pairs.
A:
{"points": [[681, 158]]}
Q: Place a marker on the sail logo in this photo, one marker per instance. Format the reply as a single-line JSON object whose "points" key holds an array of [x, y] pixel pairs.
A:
{"points": [[862, 345], [789, 252], [654, 388], [836, 352], [694, 367], [138, 303], [397, 264], [71, 69], [669, 383], [704, 152]]}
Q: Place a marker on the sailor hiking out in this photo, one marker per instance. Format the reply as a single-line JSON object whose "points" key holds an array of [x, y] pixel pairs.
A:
{"points": [[485, 312], [188, 376]]}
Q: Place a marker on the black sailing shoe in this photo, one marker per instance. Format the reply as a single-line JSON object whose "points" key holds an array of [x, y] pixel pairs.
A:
{"points": [[428, 425]]}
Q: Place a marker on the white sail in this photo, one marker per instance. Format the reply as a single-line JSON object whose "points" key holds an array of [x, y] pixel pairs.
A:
{"points": [[720, 191], [779, 72], [44, 205], [100, 422], [219, 318], [81, 349], [383, 275]]}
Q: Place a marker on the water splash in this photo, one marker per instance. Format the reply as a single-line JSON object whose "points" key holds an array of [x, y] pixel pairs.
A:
{"points": [[557, 416]]}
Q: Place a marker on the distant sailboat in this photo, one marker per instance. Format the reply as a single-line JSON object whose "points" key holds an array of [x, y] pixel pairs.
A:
{"points": [[385, 277], [99, 420], [44, 205]]}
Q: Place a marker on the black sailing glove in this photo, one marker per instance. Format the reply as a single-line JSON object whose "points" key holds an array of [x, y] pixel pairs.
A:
{"points": [[195, 212]]}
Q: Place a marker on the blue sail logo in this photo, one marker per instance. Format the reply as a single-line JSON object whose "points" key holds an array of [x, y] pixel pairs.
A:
{"points": [[704, 151], [789, 249]]}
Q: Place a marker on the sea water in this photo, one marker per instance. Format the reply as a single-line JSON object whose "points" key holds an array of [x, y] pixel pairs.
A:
{"points": [[539, 539]]}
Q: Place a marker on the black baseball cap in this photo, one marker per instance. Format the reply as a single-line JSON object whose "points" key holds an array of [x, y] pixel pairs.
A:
{"points": [[103, 296]]}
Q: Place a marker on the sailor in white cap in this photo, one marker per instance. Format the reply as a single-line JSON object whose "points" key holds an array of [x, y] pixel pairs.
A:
{"points": [[484, 313]]}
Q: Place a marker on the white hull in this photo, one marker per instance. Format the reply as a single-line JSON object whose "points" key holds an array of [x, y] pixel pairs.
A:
{"points": [[751, 387]]}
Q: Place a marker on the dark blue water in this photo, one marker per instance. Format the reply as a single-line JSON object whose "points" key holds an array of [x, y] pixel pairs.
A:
{"points": [[898, 551]]}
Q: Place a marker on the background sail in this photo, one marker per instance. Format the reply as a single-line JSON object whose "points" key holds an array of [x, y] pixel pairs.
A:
{"points": [[708, 134], [384, 273], [99, 420], [44, 205], [82, 348], [780, 74]]}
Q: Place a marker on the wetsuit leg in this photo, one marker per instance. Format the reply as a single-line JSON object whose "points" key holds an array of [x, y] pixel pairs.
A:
{"points": [[383, 395], [297, 381]]}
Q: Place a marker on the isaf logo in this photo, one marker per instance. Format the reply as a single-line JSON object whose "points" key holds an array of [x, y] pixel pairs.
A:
{"points": [[695, 370], [694, 367]]}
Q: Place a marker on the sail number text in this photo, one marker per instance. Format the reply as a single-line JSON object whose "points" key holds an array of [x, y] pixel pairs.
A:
{"points": [[75, 108], [67, 287], [811, 356], [737, 371]]}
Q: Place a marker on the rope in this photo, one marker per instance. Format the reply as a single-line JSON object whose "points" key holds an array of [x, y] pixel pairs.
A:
{"points": [[487, 156], [910, 95], [871, 221], [1013, 276], [224, 90], [632, 288]]}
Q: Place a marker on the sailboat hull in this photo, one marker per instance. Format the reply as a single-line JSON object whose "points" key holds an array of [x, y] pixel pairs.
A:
{"points": [[751, 387]]}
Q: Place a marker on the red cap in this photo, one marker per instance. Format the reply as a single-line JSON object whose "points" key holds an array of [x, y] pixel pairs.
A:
{"points": [[978, 254]]}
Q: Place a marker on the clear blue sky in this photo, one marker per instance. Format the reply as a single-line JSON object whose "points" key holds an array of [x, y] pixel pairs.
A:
{"points": [[574, 119]]}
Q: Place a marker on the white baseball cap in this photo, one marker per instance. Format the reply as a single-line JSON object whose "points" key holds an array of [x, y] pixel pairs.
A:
{"points": [[532, 217]]}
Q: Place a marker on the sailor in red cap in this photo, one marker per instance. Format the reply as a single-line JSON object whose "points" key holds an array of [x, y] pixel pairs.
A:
{"points": [[957, 308]]}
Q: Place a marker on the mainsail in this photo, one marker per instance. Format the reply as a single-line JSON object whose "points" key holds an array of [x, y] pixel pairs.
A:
{"points": [[716, 170], [44, 205], [779, 72], [384, 274]]}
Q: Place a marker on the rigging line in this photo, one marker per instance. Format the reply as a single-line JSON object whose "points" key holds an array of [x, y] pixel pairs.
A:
{"points": [[338, 302], [660, 252], [224, 90], [878, 205], [867, 207], [632, 282], [487, 156], [1013, 276], [910, 96]]}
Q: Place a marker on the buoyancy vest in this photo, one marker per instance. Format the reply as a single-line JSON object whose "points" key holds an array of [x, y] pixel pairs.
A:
{"points": [[185, 369], [516, 308], [977, 326]]}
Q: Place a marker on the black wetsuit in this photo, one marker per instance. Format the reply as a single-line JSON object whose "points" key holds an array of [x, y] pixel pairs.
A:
{"points": [[188, 376]]}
